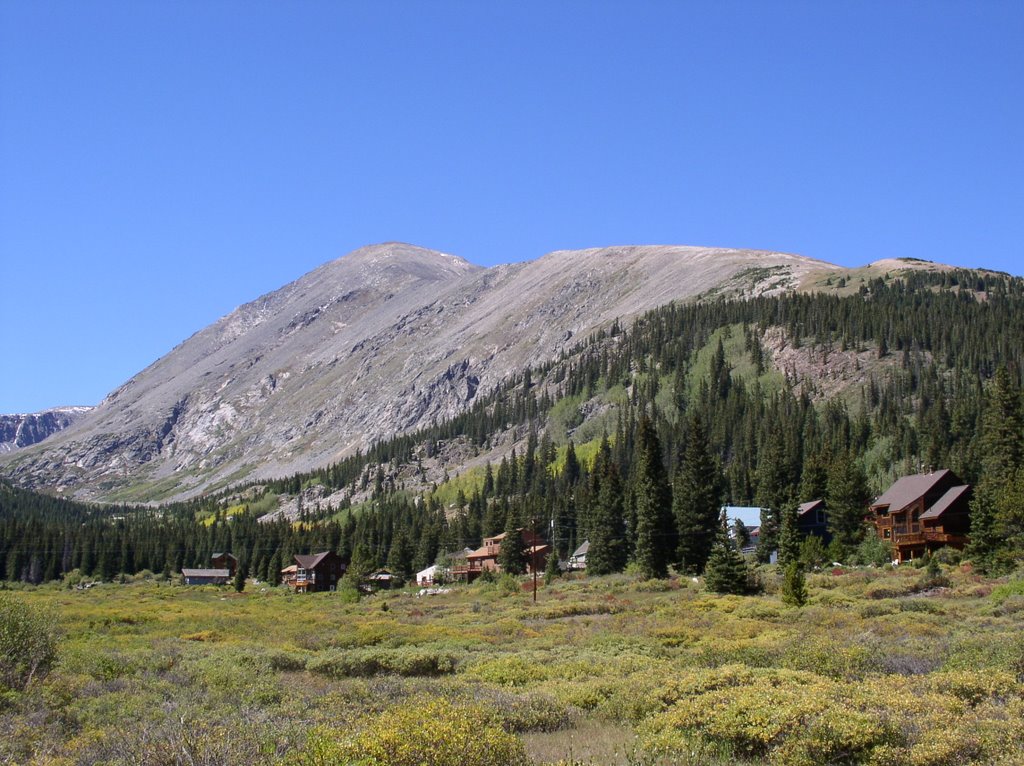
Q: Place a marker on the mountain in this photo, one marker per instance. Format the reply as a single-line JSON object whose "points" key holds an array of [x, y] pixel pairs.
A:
{"points": [[19, 431], [381, 341]]}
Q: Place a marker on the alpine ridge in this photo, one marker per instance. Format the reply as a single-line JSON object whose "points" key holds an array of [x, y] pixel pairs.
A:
{"points": [[379, 342]]}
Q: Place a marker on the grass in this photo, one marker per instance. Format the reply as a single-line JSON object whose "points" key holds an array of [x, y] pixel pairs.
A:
{"points": [[605, 670]]}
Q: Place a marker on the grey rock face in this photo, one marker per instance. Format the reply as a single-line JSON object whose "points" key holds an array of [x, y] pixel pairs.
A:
{"points": [[381, 341], [19, 431]]}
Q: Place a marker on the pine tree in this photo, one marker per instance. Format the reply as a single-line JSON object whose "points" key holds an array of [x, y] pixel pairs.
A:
{"points": [[789, 535], [655, 527], [551, 568], [996, 524], [241, 573], [512, 557], [607, 552], [847, 499], [726, 570], [696, 500]]}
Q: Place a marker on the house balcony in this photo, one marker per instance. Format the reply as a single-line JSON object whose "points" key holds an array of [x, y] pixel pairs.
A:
{"points": [[927, 536]]}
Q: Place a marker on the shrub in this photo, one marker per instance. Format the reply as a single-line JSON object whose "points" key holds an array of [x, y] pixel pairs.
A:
{"points": [[404, 661], [423, 732], [794, 588], [28, 643], [510, 670], [873, 551]]}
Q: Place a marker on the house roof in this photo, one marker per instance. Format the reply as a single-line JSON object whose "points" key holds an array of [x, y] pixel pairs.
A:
{"points": [[218, 555], [809, 506], [582, 550], [428, 571], [205, 573], [312, 560], [289, 570], [908, 489], [944, 502]]}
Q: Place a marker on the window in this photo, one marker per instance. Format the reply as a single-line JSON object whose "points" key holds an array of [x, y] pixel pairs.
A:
{"points": [[887, 533]]}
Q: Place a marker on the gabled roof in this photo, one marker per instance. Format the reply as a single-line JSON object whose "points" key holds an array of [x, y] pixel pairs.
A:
{"points": [[205, 573], [582, 550], [218, 555], [312, 560], [944, 502], [809, 506], [289, 570], [484, 552], [908, 489]]}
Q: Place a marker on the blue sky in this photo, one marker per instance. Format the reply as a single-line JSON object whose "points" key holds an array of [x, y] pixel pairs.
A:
{"points": [[164, 162]]}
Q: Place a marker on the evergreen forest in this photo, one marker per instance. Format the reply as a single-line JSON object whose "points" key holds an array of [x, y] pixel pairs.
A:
{"points": [[633, 439]]}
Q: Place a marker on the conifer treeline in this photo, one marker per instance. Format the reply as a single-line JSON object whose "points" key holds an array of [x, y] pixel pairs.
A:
{"points": [[675, 448]]}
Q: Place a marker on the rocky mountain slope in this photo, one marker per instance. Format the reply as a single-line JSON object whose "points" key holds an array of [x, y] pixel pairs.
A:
{"points": [[18, 431], [381, 341]]}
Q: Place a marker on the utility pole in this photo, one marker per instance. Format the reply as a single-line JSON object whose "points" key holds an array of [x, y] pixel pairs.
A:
{"points": [[533, 556]]}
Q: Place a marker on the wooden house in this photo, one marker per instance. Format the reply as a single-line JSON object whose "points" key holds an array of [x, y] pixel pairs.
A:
{"points": [[922, 513], [314, 572], [205, 576], [485, 558], [812, 519], [224, 561]]}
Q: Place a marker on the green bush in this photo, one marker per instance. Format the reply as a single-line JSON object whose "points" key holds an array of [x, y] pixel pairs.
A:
{"points": [[422, 732], [28, 643], [403, 661]]}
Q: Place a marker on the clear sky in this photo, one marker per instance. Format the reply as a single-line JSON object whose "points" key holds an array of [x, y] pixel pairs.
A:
{"points": [[164, 162]]}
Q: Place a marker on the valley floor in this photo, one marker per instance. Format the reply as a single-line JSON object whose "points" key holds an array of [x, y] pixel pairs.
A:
{"points": [[603, 670]]}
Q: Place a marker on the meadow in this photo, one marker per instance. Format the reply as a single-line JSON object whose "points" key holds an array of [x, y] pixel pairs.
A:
{"points": [[879, 667]]}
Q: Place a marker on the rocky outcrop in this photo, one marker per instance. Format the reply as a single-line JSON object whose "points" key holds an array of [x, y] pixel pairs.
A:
{"points": [[19, 431], [381, 341]]}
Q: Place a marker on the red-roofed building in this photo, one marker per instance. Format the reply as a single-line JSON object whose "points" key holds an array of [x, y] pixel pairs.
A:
{"points": [[922, 513]]}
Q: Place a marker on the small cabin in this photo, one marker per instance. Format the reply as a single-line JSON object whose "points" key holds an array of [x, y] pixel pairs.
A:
{"points": [[224, 561], [578, 559], [205, 576]]}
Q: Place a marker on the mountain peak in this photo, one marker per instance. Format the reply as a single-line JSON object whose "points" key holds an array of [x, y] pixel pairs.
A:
{"points": [[403, 253]]}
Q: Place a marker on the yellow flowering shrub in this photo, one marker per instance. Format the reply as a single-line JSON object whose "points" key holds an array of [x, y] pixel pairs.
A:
{"points": [[423, 732]]}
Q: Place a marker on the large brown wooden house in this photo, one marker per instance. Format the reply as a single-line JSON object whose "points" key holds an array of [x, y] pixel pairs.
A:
{"points": [[314, 572], [485, 558], [922, 513]]}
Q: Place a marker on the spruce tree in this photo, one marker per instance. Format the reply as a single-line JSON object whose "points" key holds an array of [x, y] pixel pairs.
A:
{"points": [[551, 568], [789, 535], [996, 525], [696, 500], [726, 570], [512, 557], [655, 527], [607, 552], [847, 500], [241, 572]]}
